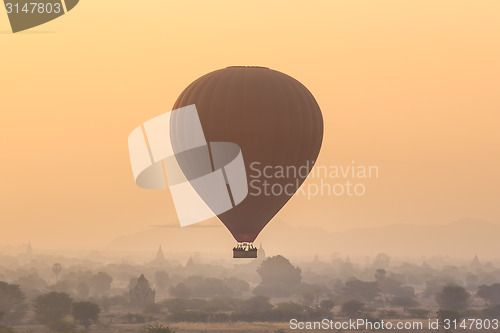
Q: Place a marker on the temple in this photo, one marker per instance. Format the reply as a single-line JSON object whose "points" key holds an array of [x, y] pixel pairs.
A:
{"points": [[142, 293]]}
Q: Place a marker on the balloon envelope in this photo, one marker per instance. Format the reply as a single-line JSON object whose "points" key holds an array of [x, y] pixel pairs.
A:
{"points": [[277, 124]]}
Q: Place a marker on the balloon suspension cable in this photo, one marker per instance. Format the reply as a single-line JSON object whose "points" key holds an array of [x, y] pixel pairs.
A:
{"points": [[244, 250]]}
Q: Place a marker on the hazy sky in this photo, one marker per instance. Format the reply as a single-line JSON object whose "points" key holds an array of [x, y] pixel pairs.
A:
{"points": [[411, 87]]}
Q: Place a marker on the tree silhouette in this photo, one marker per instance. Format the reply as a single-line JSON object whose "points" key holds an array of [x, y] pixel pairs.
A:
{"points": [[360, 290], [257, 303], [100, 283], [380, 274], [453, 297], [31, 284], [279, 269], [237, 285], [388, 284], [52, 307], [352, 308], [12, 305], [56, 269], [327, 304], [279, 278], [212, 287], [86, 313], [491, 293]]}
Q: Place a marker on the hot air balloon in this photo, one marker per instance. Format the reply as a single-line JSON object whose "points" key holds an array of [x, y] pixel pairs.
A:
{"points": [[275, 121]]}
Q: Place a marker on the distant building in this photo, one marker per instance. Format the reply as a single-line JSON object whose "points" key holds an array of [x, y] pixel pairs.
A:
{"points": [[190, 263], [159, 260], [29, 251], [347, 265], [261, 254], [26, 258], [142, 293], [475, 263]]}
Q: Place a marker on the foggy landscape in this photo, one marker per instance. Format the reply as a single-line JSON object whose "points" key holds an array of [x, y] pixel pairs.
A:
{"points": [[396, 100], [171, 289]]}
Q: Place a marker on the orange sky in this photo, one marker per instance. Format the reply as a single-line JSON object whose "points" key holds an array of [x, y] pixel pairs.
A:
{"points": [[412, 87]]}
